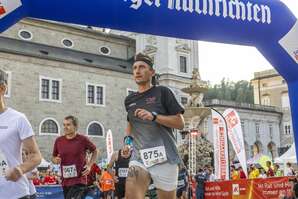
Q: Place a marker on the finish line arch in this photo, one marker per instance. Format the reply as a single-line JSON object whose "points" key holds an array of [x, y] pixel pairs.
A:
{"points": [[266, 24]]}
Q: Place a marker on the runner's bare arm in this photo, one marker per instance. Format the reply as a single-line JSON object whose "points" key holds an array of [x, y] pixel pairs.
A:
{"points": [[93, 158], [33, 157], [171, 121], [56, 159], [128, 129], [90, 162]]}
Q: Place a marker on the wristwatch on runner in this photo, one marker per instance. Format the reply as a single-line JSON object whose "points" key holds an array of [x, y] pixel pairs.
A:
{"points": [[154, 114]]}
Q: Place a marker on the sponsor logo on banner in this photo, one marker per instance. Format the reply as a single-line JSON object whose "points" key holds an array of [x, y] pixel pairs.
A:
{"points": [[232, 120], [236, 189], [8, 6]]}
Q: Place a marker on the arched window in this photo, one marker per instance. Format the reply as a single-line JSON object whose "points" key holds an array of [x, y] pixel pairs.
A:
{"points": [[49, 126], [95, 129]]}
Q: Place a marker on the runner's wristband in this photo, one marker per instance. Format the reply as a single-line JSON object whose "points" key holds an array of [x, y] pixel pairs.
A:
{"points": [[128, 140]]}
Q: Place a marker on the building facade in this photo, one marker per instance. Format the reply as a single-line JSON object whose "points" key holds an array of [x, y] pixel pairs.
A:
{"points": [[270, 89], [57, 70]]}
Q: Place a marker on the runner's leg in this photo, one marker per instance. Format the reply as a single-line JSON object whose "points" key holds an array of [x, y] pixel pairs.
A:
{"points": [[137, 183], [166, 194]]}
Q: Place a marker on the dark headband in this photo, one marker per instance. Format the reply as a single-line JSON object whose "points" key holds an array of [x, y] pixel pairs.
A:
{"points": [[145, 58]]}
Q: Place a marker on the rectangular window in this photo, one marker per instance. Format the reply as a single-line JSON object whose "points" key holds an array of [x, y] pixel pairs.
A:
{"points": [[91, 94], [243, 128], [258, 130], [183, 64], [45, 89], [55, 90], [50, 89], [287, 128], [285, 101], [95, 94], [271, 131], [99, 95]]}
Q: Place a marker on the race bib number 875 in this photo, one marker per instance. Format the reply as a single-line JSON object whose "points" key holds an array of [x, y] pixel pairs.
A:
{"points": [[153, 156]]}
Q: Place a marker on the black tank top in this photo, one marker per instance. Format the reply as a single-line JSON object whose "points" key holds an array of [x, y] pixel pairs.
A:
{"points": [[121, 167]]}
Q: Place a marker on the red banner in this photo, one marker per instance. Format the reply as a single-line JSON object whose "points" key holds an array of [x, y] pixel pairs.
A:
{"points": [[273, 188]]}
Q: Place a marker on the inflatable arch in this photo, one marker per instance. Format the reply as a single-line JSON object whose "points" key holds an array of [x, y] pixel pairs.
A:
{"points": [[266, 24]]}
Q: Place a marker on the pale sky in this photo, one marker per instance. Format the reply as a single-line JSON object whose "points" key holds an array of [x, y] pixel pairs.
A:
{"points": [[233, 62]]}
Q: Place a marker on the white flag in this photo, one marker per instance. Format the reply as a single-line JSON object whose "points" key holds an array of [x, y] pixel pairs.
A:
{"points": [[220, 143], [236, 136], [109, 143]]}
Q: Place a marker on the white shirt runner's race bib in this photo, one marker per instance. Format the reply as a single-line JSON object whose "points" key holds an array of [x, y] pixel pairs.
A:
{"points": [[153, 156], [3, 165], [69, 171], [122, 172]]}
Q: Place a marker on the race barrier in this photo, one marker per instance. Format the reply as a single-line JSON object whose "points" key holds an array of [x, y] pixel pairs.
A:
{"points": [[49, 192], [261, 188], [56, 192]]}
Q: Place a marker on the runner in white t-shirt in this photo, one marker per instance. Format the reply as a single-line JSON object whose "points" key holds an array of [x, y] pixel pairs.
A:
{"points": [[15, 131]]}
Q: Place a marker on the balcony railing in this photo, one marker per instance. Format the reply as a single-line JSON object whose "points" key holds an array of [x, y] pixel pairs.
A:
{"points": [[233, 104]]}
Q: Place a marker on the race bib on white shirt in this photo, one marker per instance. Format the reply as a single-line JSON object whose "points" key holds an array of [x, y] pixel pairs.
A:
{"points": [[3, 165], [69, 171], [122, 172], [153, 156]]}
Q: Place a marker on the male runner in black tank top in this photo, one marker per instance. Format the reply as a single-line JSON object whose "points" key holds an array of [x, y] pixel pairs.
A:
{"points": [[120, 162]]}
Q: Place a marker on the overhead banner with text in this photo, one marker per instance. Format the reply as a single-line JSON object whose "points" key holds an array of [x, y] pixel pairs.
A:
{"points": [[235, 135], [220, 144]]}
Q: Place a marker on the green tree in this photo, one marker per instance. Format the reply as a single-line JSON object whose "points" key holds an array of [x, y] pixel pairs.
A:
{"points": [[240, 91]]}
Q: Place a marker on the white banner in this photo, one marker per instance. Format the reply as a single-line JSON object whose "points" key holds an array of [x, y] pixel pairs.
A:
{"points": [[220, 143], [109, 143], [7, 6], [236, 136]]}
